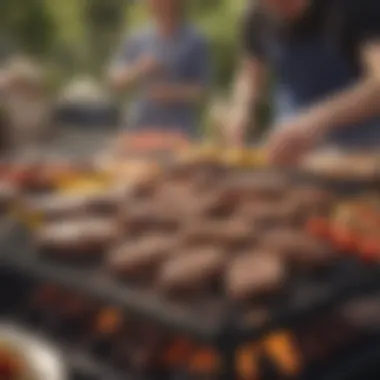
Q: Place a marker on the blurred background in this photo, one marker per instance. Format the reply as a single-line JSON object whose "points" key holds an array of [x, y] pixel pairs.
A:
{"points": [[73, 40], [77, 37]]}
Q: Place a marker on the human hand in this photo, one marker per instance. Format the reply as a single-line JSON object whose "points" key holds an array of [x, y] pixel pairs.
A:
{"points": [[160, 92], [235, 134], [235, 128], [122, 76], [148, 65], [289, 143]]}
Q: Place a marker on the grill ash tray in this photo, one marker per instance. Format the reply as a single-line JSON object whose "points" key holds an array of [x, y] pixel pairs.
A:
{"points": [[206, 319]]}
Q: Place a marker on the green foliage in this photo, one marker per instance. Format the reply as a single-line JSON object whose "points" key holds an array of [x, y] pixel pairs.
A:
{"points": [[28, 25], [81, 34], [104, 20]]}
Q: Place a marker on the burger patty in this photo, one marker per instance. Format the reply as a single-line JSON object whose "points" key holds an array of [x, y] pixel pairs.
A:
{"points": [[255, 274]]}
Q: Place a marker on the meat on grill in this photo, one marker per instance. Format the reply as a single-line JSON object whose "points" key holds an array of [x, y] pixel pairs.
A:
{"points": [[254, 274], [230, 233], [311, 199], [191, 270], [74, 238], [8, 194], [297, 247], [140, 258], [264, 215], [54, 207], [262, 187], [147, 217]]}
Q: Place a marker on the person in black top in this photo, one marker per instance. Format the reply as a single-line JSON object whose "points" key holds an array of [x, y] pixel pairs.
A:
{"points": [[325, 57]]}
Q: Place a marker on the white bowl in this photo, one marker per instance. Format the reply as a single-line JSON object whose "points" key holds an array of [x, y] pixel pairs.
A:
{"points": [[43, 361]]}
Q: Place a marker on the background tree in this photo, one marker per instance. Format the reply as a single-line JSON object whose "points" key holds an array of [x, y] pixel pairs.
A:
{"points": [[105, 22], [27, 25]]}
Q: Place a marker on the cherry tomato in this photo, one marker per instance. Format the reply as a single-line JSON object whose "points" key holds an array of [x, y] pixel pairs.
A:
{"points": [[369, 248], [344, 239]]}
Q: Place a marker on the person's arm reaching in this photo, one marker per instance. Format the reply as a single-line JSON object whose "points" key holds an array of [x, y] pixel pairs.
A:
{"points": [[249, 79], [128, 68], [356, 104], [245, 96], [193, 87], [122, 77], [353, 105]]}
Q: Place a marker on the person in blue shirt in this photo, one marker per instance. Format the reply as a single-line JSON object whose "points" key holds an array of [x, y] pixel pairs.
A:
{"points": [[324, 56], [167, 66]]}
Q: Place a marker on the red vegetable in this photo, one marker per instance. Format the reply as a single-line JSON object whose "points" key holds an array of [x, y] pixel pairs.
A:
{"points": [[319, 227], [369, 248], [344, 239]]}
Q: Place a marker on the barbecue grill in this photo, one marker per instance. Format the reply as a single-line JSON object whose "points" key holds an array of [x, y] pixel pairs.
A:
{"points": [[222, 326], [304, 299]]}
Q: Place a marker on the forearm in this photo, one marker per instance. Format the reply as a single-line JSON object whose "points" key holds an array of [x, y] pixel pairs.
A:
{"points": [[243, 103], [246, 92], [360, 102], [177, 93], [125, 77], [242, 106]]}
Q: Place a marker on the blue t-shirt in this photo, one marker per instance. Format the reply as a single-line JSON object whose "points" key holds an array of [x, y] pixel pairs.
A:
{"points": [[185, 60]]}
